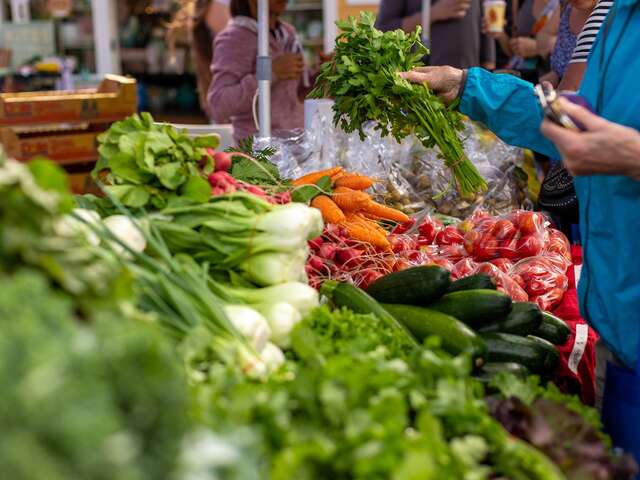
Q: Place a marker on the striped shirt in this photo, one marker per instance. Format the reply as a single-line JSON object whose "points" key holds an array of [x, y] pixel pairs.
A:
{"points": [[590, 31]]}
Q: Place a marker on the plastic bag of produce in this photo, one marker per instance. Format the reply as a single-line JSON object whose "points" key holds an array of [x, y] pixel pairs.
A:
{"points": [[431, 183], [543, 278], [514, 236], [504, 282], [412, 177]]}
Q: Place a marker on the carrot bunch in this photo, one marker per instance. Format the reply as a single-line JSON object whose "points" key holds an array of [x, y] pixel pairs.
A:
{"points": [[351, 207]]}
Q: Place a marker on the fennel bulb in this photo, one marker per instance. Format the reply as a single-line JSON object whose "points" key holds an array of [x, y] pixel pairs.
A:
{"points": [[250, 324]]}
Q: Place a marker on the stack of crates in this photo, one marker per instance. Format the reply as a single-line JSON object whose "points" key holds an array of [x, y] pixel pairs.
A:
{"points": [[64, 126]]}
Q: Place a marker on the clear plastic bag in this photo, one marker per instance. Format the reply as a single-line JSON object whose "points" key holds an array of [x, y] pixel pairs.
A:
{"points": [[411, 178], [543, 278]]}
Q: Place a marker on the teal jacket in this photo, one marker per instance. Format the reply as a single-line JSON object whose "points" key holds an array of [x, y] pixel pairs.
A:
{"points": [[609, 205]]}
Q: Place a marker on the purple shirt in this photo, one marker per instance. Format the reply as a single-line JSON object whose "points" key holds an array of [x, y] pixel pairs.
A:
{"points": [[234, 83]]}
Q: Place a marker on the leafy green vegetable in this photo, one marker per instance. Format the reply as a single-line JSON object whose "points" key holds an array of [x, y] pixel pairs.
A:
{"points": [[354, 404], [103, 402], [147, 165], [257, 170], [306, 193], [363, 80]]}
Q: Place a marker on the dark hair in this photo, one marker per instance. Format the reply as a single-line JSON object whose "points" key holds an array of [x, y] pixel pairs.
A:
{"points": [[240, 8]]}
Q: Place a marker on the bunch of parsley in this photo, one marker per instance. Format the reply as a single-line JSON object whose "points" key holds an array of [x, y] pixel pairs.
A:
{"points": [[363, 80]]}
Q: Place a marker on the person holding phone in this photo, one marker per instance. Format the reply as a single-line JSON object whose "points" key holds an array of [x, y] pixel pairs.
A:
{"points": [[234, 86], [605, 159]]}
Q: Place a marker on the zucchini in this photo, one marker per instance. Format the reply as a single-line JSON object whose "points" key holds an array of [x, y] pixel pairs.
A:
{"points": [[476, 308], [505, 347], [413, 286], [456, 337], [524, 319], [491, 369], [553, 355], [358, 301], [553, 329], [472, 282]]}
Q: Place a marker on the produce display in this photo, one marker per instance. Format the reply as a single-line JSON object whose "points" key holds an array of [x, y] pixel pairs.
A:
{"points": [[206, 318]]}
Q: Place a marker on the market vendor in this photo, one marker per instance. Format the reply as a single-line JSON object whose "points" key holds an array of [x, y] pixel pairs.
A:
{"points": [[605, 159], [233, 90]]}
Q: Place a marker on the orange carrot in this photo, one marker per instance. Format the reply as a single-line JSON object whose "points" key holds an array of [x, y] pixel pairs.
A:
{"points": [[350, 200], [362, 220], [382, 212], [355, 182], [312, 178], [331, 213], [367, 235]]}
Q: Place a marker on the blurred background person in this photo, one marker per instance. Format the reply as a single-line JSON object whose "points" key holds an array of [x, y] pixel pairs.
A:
{"points": [[456, 30], [200, 21], [233, 90]]}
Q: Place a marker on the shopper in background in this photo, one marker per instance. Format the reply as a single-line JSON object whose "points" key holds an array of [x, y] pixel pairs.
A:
{"points": [[456, 37], [572, 20], [234, 87], [201, 20], [578, 63], [519, 44]]}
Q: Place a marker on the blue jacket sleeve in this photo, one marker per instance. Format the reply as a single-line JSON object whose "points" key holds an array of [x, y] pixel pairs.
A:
{"points": [[508, 107]]}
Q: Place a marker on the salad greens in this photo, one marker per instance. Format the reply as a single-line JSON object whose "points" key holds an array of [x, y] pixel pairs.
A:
{"points": [[145, 164], [363, 80], [366, 409]]}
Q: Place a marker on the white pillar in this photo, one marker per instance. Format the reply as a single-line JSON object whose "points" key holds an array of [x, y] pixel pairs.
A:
{"points": [[264, 71], [105, 36], [426, 22], [330, 15]]}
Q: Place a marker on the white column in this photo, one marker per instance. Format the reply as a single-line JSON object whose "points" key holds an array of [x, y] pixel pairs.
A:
{"points": [[426, 21], [330, 15], [105, 36], [264, 71]]}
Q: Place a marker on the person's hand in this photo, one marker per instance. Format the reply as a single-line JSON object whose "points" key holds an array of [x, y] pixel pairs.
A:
{"points": [[288, 66], [444, 81], [605, 148], [524, 47], [449, 9]]}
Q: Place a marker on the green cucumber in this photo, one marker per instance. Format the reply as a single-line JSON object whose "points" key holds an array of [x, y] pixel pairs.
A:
{"points": [[456, 337], [553, 329], [524, 319], [476, 308], [505, 347], [358, 301], [553, 355], [472, 282], [491, 369], [413, 286]]}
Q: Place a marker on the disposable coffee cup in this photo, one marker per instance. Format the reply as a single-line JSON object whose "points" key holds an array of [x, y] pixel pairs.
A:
{"points": [[495, 15]]}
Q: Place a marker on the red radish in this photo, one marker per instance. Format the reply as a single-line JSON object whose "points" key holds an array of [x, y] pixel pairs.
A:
{"points": [[315, 263], [327, 251], [217, 191], [222, 178], [349, 257], [254, 189], [315, 243], [282, 198], [222, 161]]}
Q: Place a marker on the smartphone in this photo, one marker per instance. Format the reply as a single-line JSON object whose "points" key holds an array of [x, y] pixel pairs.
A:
{"points": [[553, 111]]}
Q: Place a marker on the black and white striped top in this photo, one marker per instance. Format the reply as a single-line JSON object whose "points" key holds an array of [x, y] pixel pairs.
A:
{"points": [[590, 30]]}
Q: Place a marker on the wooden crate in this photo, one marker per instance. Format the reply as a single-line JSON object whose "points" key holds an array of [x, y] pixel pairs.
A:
{"points": [[114, 99]]}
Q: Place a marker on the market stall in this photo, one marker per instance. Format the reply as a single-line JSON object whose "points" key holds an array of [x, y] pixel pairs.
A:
{"points": [[279, 310]]}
